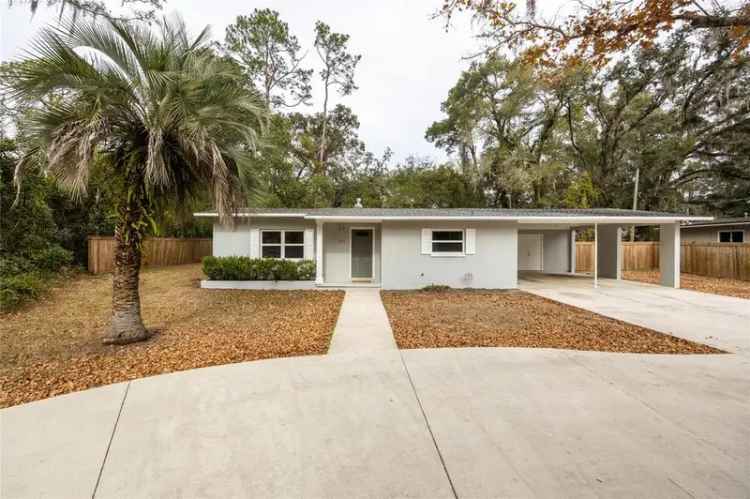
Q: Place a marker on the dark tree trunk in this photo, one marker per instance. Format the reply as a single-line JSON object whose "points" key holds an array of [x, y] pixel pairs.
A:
{"points": [[127, 325]]}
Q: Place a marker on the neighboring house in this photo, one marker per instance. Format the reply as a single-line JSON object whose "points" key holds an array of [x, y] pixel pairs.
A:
{"points": [[413, 248], [721, 230]]}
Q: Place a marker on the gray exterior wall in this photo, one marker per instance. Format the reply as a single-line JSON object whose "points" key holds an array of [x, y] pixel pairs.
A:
{"points": [[494, 265], [398, 262], [710, 234], [555, 250], [336, 256], [231, 241], [228, 241], [236, 241]]}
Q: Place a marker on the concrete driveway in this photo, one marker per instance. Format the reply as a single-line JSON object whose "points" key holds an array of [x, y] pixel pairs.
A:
{"points": [[719, 321], [419, 423]]}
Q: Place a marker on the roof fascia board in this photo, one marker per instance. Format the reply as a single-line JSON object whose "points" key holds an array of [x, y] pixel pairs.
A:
{"points": [[720, 224], [538, 227], [609, 219], [253, 215], [519, 219], [333, 218], [572, 219]]}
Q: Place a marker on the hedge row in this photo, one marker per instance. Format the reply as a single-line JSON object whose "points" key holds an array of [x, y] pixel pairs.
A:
{"points": [[242, 268]]}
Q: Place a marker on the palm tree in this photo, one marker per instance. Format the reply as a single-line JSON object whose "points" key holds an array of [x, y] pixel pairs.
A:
{"points": [[166, 117]]}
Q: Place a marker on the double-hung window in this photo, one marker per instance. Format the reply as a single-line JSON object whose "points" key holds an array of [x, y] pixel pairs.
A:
{"points": [[286, 244], [447, 242], [731, 236]]}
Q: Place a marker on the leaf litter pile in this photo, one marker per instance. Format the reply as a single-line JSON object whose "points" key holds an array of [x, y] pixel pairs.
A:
{"points": [[479, 318], [713, 285], [54, 346]]}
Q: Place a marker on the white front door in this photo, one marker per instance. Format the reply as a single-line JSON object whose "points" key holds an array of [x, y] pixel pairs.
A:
{"points": [[530, 251]]}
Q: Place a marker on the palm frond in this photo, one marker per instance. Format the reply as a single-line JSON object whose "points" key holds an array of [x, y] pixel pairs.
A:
{"points": [[157, 102]]}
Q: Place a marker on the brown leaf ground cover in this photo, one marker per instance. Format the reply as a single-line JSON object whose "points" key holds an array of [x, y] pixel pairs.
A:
{"points": [[53, 346], [715, 285], [477, 318]]}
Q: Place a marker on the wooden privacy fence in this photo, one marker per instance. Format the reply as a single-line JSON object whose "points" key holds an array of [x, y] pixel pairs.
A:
{"points": [[156, 251], [635, 256], [728, 260]]}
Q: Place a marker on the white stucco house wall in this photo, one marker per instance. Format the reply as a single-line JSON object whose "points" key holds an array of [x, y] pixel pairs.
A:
{"points": [[461, 248]]}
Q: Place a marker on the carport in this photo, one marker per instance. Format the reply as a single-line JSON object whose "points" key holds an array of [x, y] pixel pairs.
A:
{"points": [[549, 246]]}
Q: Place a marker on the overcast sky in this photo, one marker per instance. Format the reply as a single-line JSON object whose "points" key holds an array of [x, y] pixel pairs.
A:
{"points": [[408, 64]]}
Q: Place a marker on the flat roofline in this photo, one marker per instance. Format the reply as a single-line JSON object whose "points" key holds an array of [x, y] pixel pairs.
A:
{"points": [[577, 219], [519, 219], [716, 224], [211, 214]]}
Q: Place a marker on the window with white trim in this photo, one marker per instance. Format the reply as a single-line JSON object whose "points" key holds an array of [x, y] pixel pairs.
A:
{"points": [[285, 244], [731, 236], [448, 242]]}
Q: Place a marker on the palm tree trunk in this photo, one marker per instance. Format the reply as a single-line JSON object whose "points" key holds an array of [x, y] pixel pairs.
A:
{"points": [[127, 325]]}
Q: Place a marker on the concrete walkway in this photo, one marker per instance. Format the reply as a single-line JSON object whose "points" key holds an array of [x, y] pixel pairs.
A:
{"points": [[437, 423], [363, 325]]}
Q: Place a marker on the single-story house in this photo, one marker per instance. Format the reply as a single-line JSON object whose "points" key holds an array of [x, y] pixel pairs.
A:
{"points": [[720, 230], [412, 248]]}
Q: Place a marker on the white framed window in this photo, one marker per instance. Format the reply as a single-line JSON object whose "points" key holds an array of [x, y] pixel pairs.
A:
{"points": [[447, 242], [284, 244], [731, 236]]}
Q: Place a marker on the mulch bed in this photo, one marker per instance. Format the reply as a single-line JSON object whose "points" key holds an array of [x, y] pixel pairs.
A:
{"points": [[54, 346], [714, 285], [476, 318]]}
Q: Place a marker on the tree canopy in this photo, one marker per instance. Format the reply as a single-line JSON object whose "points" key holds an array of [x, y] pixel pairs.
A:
{"points": [[599, 29], [674, 113], [271, 57]]}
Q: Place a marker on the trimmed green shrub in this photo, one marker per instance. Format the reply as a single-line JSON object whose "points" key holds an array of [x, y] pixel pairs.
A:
{"points": [[436, 288], [211, 267], [306, 270], [242, 268]]}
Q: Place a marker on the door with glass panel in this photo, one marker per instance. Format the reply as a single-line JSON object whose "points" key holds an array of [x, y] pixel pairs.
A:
{"points": [[361, 246]]}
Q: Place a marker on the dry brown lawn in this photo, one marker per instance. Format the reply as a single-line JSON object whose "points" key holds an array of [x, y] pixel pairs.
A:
{"points": [[479, 318], [715, 285], [53, 346]]}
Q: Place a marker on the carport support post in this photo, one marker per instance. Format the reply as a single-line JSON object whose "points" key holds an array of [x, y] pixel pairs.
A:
{"points": [[572, 263], [318, 252], [609, 251], [596, 256], [669, 254]]}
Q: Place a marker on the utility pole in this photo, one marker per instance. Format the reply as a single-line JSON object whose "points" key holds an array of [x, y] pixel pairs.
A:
{"points": [[635, 201]]}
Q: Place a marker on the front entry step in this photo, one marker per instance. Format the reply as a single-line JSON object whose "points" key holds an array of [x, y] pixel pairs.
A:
{"points": [[348, 285]]}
